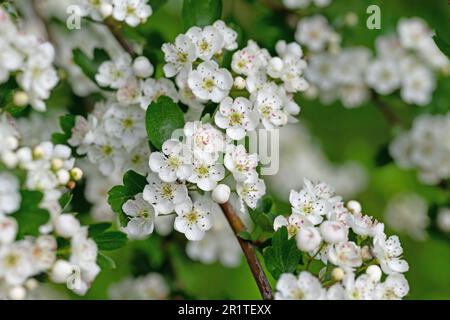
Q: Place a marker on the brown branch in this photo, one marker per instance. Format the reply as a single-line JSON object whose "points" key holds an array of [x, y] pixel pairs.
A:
{"points": [[249, 252], [386, 111], [114, 28]]}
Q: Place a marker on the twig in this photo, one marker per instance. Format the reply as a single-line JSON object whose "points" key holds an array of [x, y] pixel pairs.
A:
{"points": [[48, 31], [115, 31], [249, 252], [386, 111]]}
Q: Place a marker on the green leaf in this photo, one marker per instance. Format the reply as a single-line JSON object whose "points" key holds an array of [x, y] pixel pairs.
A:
{"points": [[29, 216], [111, 240], [443, 43], [87, 65], [66, 122], [133, 183], [245, 235], [261, 215], [201, 12], [283, 256], [65, 200], [105, 262], [98, 228], [157, 4], [161, 119]]}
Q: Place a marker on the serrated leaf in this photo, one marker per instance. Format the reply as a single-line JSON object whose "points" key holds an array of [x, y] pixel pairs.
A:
{"points": [[98, 228], [29, 216], [161, 119], [105, 262], [201, 12], [111, 240], [283, 255]]}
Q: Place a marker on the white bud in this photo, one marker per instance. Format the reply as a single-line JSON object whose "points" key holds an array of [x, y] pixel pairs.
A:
{"points": [[337, 274], [24, 155], [63, 176], [221, 193], [21, 99], [38, 152], [66, 225], [61, 271], [354, 206], [443, 220], [276, 64], [333, 232], [308, 239], [10, 159], [12, 142], [76, 174], [374, 273], [31, 284], [239, 83], [142, 67], [106, 9], [57, 164], [365, 253], [17, 293]]}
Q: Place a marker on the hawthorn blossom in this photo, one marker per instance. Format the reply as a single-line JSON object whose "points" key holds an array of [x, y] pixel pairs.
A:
{"points": [[241, 164], [389, 252], [179, 56], [133, 12], [303, 287], [141, 217], [164, 196], [193, 219]]}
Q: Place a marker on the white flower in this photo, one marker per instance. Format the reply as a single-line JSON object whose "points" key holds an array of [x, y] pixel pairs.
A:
{"points": [[126, 124], [308, 239], [345, 255], [8, 229], [418, 86], [133, 12], [269, 105], [193, 219], [241, 164], [237, 117], [142, 217], [251, 192], [9, 193], [250, 59], [129, 92], [208, 41], [364, 225], [105, 152], [209, 82], [66, 225], [15, 263], [205, 141], [308, 205], [313, 32], [83, 133], [164, 196], [114, 74], [173, 163], [206, 175], [383, 76], [388, 252], [334, 231], [305, 287], [412, 32], [43, 253], [142, 67], [61, 271], [153, 89], [361, 288], [179, 56], [395, 287], [443, 219], [229, 35], [294, 223]]}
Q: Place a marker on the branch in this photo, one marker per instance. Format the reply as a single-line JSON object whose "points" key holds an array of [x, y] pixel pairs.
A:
{"points": [[42, 19], [386, 111], [249, 252], [114, 28]]}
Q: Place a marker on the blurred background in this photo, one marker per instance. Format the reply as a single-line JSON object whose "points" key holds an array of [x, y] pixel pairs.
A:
{"points": [[344, 147]]}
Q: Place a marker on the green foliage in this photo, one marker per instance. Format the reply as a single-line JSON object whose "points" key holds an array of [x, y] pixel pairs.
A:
{"points": [[443, 43], [105, 262], [65, 200], [29, 216], [201, 12], [283, 256], [161, 119], [66, 122], [110, 240], [133, 183], [87, 65], [157, 4], [98, 228]]}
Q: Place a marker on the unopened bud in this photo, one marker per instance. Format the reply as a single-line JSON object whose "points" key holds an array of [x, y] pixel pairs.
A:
{"points": [[337, 274], [221, 193], [21, 99], [76, 174], [374, 273], [239, 83]]}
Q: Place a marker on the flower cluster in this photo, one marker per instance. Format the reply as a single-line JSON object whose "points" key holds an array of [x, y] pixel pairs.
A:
{"points": [[408, 60], [48, 169], [29, 60], [352, 246], [132, 12], [152, 286], [264, 85], [425, 147]]}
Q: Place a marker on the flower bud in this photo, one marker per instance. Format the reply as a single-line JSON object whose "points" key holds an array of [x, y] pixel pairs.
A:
{"points": [[38, 152], [66, 225], [276, 64], [239, 83], [354, 206], [21, 99], [374, 273], [76, 174], [365, 253], [31, 284], [106, 9], [17, 293], [308, 239], [337, 274], [351, 19], [10, 159], [221, 193], [142, 67], [57, 164], [333, 232], [12, 142], [61, 271], [63, 176]]}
